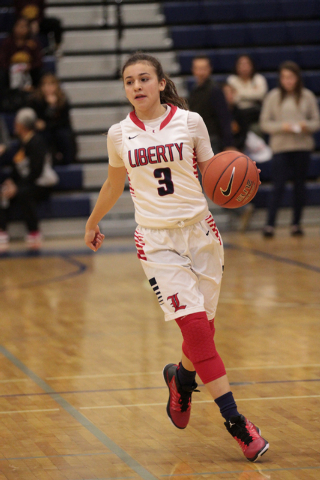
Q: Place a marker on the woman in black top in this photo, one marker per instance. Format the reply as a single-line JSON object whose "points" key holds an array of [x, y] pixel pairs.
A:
{"points": [[53, 111]]}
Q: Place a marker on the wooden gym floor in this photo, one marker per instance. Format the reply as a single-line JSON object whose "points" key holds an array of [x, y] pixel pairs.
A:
{"points": [[83, 344]]}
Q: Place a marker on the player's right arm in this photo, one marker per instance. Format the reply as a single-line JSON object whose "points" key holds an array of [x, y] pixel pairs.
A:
{"points": [[110, 192]]}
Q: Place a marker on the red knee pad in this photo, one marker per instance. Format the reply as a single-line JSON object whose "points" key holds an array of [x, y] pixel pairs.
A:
{"points": [[199, 346]]}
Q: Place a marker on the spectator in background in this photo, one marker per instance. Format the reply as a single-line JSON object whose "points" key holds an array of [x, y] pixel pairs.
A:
{"points": [[239, 126], [207, 99], [20, 66], [250, 88], [4, 137], [53, 111], [290, 115], [33, 10], [31, 180]]}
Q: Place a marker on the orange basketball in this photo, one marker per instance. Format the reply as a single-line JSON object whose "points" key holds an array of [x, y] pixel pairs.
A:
{"points": [[230, 179]]}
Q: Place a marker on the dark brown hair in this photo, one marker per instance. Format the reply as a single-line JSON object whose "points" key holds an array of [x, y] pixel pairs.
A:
{"points": [[61, 97], [245, 55], [203, 57], [294, 68], [169, 94]]}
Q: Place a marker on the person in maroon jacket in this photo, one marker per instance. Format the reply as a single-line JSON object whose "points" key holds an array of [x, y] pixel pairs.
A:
{"points": [[34, 11]]}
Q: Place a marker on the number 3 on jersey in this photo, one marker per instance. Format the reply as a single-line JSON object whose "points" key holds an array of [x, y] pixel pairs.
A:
{"points": [[165, 179]]}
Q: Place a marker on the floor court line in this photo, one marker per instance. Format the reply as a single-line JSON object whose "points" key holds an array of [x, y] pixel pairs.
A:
{"points": [[57, 456], [80, 418], [80, 269], [7, 412], [159, 387], [134, 374], [291, 397], [228, 472]]}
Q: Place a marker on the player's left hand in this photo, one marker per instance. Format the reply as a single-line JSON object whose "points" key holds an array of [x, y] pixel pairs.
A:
{"points": [[94, 238]]}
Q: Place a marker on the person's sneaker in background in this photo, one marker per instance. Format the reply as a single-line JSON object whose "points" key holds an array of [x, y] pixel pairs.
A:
{"points": [[4, 242], [34, 241]]}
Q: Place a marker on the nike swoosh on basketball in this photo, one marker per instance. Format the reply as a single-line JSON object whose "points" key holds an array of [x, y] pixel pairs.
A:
{"points": [[227, 191], [130, 138]]}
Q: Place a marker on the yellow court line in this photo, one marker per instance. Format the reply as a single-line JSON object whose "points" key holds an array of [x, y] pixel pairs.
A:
{"points": [[30, 411], [137, 374], [201, 401], [13, 380], [134, 374]]}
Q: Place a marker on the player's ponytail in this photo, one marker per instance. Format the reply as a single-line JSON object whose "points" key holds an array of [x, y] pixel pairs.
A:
{"points": [[170, 94]]}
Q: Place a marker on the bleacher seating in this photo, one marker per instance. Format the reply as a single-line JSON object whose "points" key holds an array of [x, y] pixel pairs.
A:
{"points": [[239, 11], [266, 58], [270, 30]]}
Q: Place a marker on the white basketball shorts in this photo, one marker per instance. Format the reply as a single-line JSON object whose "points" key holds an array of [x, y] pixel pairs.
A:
{"points": [[184, 266]]}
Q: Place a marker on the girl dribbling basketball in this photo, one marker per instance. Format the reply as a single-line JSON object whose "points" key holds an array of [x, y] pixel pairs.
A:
{"points": [[159, 146]]}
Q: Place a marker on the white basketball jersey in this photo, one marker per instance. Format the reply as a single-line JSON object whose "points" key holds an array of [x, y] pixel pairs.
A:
{"points": [[162, 171]]}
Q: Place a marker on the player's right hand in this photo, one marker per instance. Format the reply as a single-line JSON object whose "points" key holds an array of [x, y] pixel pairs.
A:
{"points": [[94, 238]]}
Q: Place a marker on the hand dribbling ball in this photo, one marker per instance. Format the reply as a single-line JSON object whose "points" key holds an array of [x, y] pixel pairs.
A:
{"points": [[231, 179]]}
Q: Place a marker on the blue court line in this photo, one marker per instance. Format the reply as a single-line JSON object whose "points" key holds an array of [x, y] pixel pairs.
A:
{"points": [[80, 418], [227, 472], [276, 258], [129, 389], [57, 456], [80, 268], [114, 249]]}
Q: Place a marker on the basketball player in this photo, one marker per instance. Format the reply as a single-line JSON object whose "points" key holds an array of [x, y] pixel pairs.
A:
{"points": [[159, 145]]}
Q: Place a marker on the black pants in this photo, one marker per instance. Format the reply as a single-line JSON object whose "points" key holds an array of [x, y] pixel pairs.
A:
{"points": [[52, 25], [26, 202], [61, 140], [284, 164]]}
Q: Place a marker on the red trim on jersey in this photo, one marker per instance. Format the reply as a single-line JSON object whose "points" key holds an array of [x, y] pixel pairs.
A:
{"points": [[169, 117], [136, 120], [138, 237], [140, 124], [130, 186], [212, 224], [195, 163]]}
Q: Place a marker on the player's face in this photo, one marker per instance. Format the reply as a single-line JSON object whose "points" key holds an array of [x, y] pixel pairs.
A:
{"points": [[288, 80], [201, 69], [142, 86]]}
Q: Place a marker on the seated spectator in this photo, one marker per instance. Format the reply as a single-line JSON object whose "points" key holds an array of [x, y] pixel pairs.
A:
{"points": [[207, 99], [33, 10], [30, 181], [4, 136], [290, 115], [250, 88], [20, 66], [239, 126], [53, 111]]}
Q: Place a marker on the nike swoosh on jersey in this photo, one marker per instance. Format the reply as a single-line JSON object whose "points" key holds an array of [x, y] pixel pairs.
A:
{"points": [[227, 191], [130, 138]]}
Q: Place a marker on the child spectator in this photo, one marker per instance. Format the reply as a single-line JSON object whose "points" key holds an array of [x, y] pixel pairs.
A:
{"points": [[53, 111]]}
